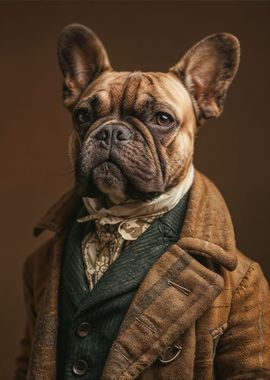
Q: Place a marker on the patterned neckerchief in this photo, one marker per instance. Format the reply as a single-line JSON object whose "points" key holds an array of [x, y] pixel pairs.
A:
{"points": [[120, 224]]}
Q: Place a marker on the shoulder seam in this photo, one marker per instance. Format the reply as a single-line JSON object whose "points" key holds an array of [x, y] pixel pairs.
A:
{"points": [[243, 279]]}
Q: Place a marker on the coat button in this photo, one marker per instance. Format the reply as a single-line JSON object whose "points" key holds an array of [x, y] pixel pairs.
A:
{"points": [[83, 329], [80, 367]]}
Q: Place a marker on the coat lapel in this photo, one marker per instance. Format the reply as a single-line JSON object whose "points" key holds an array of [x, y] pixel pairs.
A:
{"points": [[174, 294]]}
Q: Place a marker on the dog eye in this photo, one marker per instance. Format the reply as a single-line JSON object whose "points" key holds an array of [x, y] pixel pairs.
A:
{"points": [[82, 116], [163, 119]]}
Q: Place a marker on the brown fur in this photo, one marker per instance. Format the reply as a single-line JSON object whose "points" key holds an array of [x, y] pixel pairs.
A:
{"points": [[156, 158]]}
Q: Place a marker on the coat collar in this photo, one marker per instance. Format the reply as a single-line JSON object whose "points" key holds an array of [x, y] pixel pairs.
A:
{"points": [[59, 214], [207, 230]]}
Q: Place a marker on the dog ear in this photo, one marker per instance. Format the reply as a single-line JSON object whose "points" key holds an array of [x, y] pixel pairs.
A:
{"points": [[82, 58], [207, 70]]}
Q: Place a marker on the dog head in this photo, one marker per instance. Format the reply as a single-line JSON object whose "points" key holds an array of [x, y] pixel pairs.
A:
{"points": [[134, 131]]}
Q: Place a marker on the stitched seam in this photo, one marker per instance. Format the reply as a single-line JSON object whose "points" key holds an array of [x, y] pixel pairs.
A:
{"points": [[201, 361], [243, 279], [235, 292]]}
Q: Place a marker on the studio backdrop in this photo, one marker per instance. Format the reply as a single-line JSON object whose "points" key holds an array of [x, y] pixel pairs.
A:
{"points": [[232, 150]]}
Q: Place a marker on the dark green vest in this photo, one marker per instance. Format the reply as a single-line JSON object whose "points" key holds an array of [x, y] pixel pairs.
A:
{"points": [[89, 320]]}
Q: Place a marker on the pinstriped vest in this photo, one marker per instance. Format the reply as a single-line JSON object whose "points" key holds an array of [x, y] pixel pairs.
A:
{"points": [[89, 320]]}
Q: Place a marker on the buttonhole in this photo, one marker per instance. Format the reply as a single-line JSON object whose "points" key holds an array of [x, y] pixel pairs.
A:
{"points": [[179, 287], [151, 328]]}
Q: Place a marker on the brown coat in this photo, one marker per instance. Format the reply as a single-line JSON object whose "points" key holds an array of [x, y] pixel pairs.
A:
{"points": [[221, 328]]}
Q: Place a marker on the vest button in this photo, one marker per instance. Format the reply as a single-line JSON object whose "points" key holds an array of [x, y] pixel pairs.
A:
{"points": [[80, 367], [83, 329]]}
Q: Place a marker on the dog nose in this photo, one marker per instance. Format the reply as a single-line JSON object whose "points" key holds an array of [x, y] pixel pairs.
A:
{"points": [[113, 133]]}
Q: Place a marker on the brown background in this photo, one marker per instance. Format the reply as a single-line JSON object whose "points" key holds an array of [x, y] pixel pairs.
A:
{"points": [[232, 150]]}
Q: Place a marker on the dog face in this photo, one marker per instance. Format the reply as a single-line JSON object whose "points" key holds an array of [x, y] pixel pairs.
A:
{"points": [[134, 131], [134, 138]]}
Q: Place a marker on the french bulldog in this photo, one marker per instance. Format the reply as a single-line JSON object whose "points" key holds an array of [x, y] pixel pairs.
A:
{"points": [[134, 131], [179, 301]]}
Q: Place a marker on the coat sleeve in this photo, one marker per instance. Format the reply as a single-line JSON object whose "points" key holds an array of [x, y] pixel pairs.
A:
{"points": [[35, 275], [244, 350], [25, 343]]}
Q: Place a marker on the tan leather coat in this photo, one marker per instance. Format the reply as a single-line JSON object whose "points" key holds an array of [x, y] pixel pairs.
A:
{"points": [[202, 311]]}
